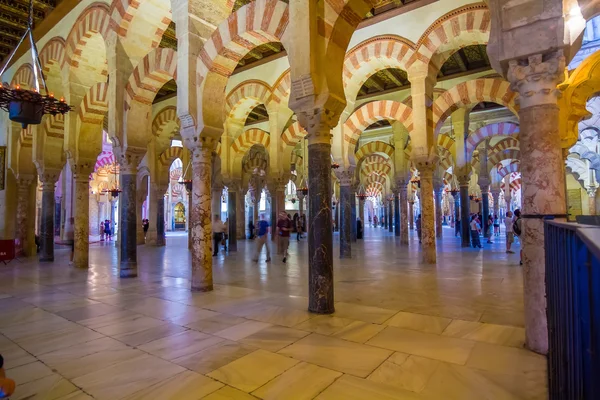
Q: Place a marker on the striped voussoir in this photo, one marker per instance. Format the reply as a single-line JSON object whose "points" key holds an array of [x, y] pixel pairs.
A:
{"points": [[95, 19], [372, 112], [249, 138], [250, 93], [152, 72], [515, 185], [257, 165], [455, 29], [122, 13], [94, 105], [106, 158], [23, 77], [505, 144], [470, 93], [26, 136], [375, 159], [282, 87], [585, 153], [445, 158], [169, 155], [293, 134], [378, 169], [495, 158], [164, 117], [501, 128], [445, 142], [53, 53], [374, 147], [380, 52], [375, 179], [54, 126]]}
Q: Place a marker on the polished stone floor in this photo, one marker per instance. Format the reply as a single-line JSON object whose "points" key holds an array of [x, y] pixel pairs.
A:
{"points": [[402, 330]]}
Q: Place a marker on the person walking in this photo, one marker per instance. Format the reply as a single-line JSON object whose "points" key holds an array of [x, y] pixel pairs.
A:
{"points": [[496, 225], [418, 225], [225, 233], [145, 226], [475, 231], [375, 221], [510, 235], [488, 234], [107, 230], [217, 229], [517, 229], [262, 236], [284, 227]]}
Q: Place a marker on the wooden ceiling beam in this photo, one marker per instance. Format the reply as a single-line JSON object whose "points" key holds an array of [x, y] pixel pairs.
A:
{"points": [[461, 60], [392, 76], [374, 80]]}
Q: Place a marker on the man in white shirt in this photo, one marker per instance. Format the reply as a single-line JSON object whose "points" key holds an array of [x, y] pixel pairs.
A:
{"points": [[475, 229], [510, 235], [217, 229]]}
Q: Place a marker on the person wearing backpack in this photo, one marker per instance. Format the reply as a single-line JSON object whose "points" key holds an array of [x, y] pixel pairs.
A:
{"points": [[517, 229]]}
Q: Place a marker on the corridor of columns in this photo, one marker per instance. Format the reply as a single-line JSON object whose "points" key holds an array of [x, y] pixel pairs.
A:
{"points": [[387, 131]]}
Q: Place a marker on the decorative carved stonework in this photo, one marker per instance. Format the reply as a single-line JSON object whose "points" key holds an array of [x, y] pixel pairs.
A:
{"points": [[536, 79], [318, 123], [345, 176]]}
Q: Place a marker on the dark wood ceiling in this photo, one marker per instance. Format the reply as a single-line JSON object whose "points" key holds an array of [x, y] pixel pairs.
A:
{"points": [[379, 124], [257, 115], [466, 59], [167, 91], [384, 80], [261, 54], [169, 37], [384, 6], [13, 21]]}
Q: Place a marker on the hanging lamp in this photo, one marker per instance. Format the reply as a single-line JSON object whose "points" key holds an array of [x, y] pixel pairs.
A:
{"points": [[27, 107], [361, 193], [114, 191], [186, 182]]}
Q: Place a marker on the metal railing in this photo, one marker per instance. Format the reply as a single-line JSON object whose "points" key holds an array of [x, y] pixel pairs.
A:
{"points": [[573, 310]]}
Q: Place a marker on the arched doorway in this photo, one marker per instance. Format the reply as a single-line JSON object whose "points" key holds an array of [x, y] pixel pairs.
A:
{"points": [[179, 217]]}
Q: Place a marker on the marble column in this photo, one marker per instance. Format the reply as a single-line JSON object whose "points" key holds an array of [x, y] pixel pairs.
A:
{"points": [[485, 209], [140, 238], [438, 211], [128, 221], [201, 218], [189, 212], [152, 234], [345, 204], [216, 198], [161, 238], [496, 199], [81, 232], [353, 231], [404, 214], [456, 196], [47, 218], [411, 214], [465, 211], [390, 216], [396, 214], [23, 191], [361, 212], [507, 193], [232, 216], [240, 229], [320, 232], [427, 215], [255, 216], [543, 178], [385, 213]]}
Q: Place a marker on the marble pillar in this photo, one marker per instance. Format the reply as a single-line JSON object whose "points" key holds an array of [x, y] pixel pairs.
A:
{"points": [[496, 199], [23, 191], [255, 216], [345, 204], [427, 215], [361, 212], [152, 234], [240, 229], [456, 196], [128, 222], [232, 216], [542, 175], [201, 219], [390, 218], [47, 219], [354, 232], [403, 214], [216, 198], [189, 213], [385, 213], [81, 232], [396, 214], [485, 210], [320, 231], [140, 238], [411, 214], [438, 211], [161, 239], [465, 212]]}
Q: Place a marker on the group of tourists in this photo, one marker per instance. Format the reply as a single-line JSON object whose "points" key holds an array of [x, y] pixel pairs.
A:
{"points": [[107, 229], [220, 232], [284, 227]]}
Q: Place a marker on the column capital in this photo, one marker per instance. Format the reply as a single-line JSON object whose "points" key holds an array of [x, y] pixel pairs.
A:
{"points": [[536, 78], [591, 191], [318, 124], [82, 168], [129, 159], [345, 176], [24, 181], [49, 177]]}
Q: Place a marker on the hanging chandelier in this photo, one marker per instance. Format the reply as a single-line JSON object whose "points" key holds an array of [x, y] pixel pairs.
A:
{"points": [[186, 182], [27, 107], [114, 191], [361, 193]]}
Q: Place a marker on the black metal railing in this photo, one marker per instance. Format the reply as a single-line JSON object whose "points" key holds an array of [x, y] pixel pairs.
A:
{"points": [[573, 310]]}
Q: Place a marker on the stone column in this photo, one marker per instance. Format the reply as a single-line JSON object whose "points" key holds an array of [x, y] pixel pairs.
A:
{"points": [[496, 199], [386, 205], [456, 196], [216, 198], [49, 180], [353, 210], [232, 216], [320, 233], [543, 178], [241, 215], [404, 213], [427, 214], [81, 232], [592, 200], [23, 191], [485, 209], [465, 211], [201, 218], [128, 218], [345, 204], [390, 207], [361, 212], [152, 234], [161, 237], [507, 193], [411, 213], [189, 211], [300, 204], [439, 191], [397, 222]]}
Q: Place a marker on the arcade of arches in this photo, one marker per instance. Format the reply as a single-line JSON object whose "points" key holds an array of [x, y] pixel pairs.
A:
{"points": [[332, 112]]}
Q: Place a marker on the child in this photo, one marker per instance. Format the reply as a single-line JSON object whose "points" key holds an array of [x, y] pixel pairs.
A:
{"points": [[7, 386]]}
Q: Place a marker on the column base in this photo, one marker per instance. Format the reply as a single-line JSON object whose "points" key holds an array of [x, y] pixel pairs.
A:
{"points": [[317, 310], [128, 270], [80, 265], [46, 259], [203, 288], [151, 238]]}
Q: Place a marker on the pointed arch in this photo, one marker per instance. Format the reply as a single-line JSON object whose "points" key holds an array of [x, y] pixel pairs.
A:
{"points": [[249, 138], [497, 129]]}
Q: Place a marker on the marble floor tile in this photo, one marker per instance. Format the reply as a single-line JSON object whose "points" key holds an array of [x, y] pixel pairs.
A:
{"points": [[494, 358], [424, 344], [129, 326], [82, 366], [363, 313], [419, 322], [340, 355], [490, 333], [351, 388], [76, 395], [250, 372], [15, 356], [413, 374], [193, 315], [50, 387], [150, 334], [324, 324], [240, 331], [302, 382], [502, 316], [125, 378], [229, 393], [359, 331], [186, 385], [216, 323], [180, 345], [87, 312], [29, 372], [214, 357], [279, 315], [121, 316], [274, 338], [81, 350]]}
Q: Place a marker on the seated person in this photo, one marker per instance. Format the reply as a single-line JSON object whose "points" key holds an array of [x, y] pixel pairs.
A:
{"points": [[7, 386]]}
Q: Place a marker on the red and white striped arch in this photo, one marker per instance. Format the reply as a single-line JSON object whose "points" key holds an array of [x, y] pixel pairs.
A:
{"points": [[95, 19], [282, 87], [257, 164], [105, 159], [375, 159], [506, 144], [244, 97], [375, 178], [470, 93], [169, 155], [94, 105], [515, 185], [54, 126], [148, 19], [53, 53], [165, 118], [249, 138], [459, 28], [152, 72], [260, 22], [380, 169], [495, 158], [293, 134], [372, 112], [23, 77], [504, 170], [498, 129], [445, 142], [374, 147]]}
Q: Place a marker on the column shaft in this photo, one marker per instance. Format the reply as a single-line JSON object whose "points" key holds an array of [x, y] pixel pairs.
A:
{"points": [[438, 212], [232, 215], [128, 224], [485, 199], [23, 189], [411, 215], [81, 232], [200, 220], [389, 216], [346, 205], [427, 216], [403, 215], [161, 239], [465, 203], [47, 222], [353, 230], [396, 214]]}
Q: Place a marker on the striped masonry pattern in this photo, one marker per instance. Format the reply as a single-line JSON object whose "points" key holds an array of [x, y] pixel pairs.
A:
{"points": [[152, 72], [372, 112], [501, 128], [374, 147], [93, 20], [94, 105], [249, 138]]}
